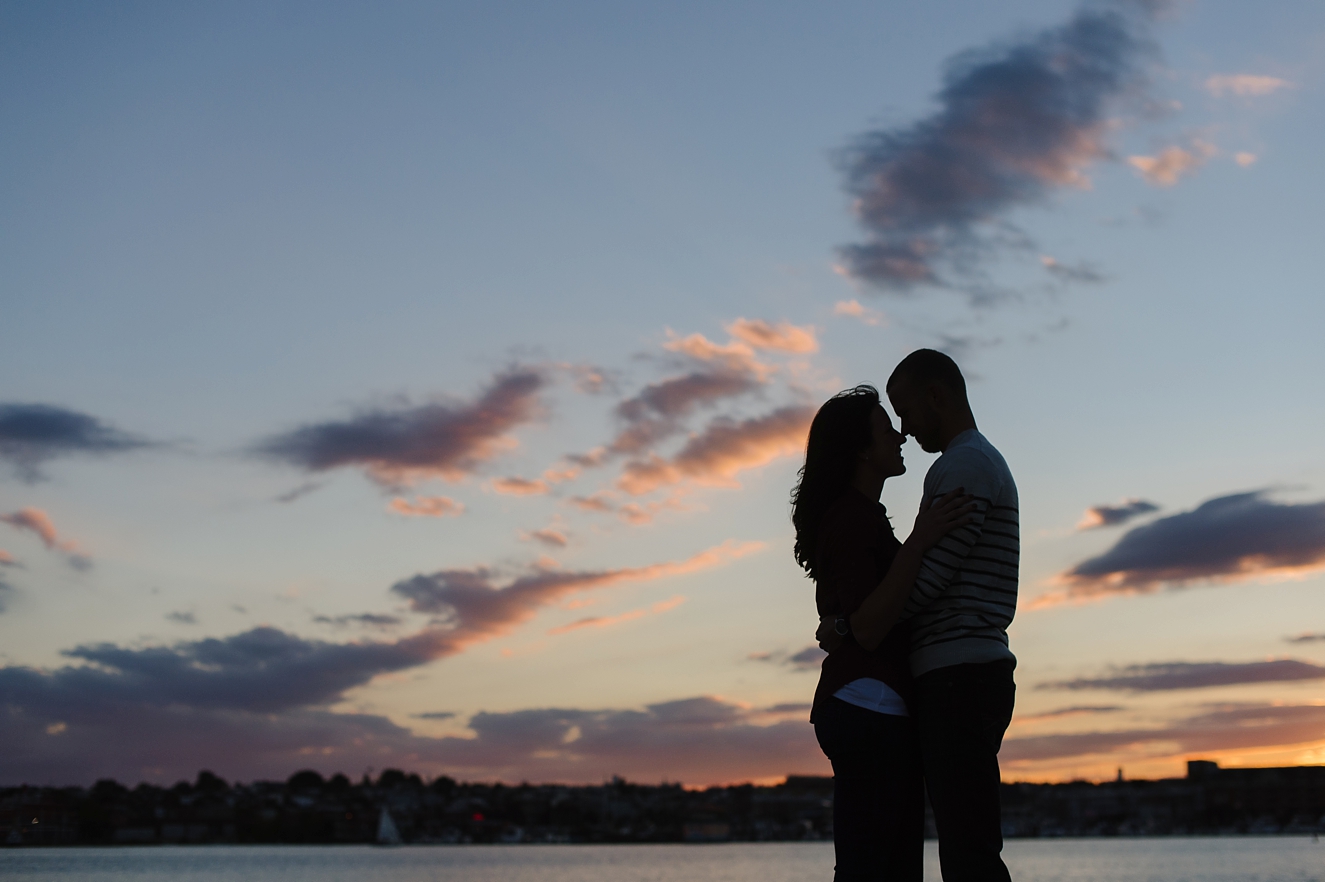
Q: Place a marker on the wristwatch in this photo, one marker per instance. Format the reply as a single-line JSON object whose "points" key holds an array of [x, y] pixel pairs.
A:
{"points": [[842, 626]]}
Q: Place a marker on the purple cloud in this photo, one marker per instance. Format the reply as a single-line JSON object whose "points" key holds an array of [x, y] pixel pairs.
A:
{"points": [[1196, 675], [1218, 728], [1016, 122], [1112, 515], [1232, 537], [400, 445], [31, 434]]}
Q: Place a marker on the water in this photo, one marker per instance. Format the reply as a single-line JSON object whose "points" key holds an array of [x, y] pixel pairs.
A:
{"points": [[1233, 859]]}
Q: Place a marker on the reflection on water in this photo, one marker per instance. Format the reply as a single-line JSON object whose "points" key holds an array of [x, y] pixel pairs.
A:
{"points": [[1240, 859]]}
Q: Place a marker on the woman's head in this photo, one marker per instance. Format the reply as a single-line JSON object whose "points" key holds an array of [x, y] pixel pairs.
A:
{"points": [[850, 433]]}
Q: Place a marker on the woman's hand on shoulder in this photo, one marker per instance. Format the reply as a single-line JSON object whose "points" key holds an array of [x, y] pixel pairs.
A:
{"points": [[943, 515]]}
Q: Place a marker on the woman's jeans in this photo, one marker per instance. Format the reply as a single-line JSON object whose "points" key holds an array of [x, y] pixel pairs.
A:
{"points": [[878, 793]]}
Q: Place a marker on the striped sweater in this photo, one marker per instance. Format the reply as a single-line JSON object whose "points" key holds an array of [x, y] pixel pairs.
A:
{"points": [[966, 593]]}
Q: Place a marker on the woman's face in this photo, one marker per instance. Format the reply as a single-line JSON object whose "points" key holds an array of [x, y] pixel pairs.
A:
{"points": [[885, 450]]}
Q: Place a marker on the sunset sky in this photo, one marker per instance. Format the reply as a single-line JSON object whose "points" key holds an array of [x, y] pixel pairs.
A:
{"points": [[421, 385]]}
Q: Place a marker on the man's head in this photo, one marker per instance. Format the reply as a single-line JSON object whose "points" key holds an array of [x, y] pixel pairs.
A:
{"points": [[928, 393]]}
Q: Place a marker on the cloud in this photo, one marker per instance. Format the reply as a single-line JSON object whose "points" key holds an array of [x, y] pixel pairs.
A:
{"points": [[368, 620], [630, 616], [7, 559], [598, 502], [557, 475], [1111, 515], [1244, 158], [299, 492], [427, 507], [864, 314], [6, 592], [263, 670], [31, 434], [1172, 163], [36, 521], [1306, 638], [1063, 712], [519, 486], [182, 617], [782, 337], [722, 450], [1196, 675], [736, 356], [704, 740], [1218, 728], [654, 413], [1015, 123], [808, 659], [405, 444], [471, 607], [698, 741], [1241, 536], [434, 715], [1080, 273], [1243, 85], [549, 536]]}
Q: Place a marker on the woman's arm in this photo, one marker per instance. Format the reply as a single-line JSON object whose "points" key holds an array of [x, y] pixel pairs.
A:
{"points": [[875, 617]]}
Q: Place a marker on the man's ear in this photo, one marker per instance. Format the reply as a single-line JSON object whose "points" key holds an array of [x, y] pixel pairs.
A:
{"points": [[937, 395]]}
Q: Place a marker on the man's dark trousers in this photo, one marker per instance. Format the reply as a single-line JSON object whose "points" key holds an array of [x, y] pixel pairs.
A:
{"points": [[962, 712]]}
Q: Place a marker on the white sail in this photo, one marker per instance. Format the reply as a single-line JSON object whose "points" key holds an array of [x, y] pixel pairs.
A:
{"points": [[387, 834]]}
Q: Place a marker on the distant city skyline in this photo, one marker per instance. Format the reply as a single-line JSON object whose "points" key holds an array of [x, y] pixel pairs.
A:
{"points": [[421, 387]]}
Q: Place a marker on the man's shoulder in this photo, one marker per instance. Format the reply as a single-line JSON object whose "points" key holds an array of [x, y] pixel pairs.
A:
{"points": [[975, 459]]}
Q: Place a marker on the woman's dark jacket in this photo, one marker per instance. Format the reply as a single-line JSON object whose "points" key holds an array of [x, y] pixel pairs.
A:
{"points": [[856, 546]]}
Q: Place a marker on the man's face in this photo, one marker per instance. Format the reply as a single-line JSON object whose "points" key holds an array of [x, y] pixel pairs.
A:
{"points": [[916, 409]]}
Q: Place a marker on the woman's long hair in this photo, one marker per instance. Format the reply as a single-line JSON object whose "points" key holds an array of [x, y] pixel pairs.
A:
{"points": [[840, 431]]}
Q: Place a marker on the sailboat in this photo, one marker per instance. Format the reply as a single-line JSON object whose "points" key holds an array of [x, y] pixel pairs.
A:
{"points": [[387, 832]]}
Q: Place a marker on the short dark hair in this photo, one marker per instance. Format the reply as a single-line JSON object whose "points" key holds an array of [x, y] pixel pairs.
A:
{"points": [[930, 366]]}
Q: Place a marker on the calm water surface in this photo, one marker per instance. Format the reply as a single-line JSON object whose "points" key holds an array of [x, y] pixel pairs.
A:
{"points": [[1242, 859]]}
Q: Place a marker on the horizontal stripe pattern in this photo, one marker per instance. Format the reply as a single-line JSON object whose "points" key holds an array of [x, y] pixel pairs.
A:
{"points": [[966, 593]]}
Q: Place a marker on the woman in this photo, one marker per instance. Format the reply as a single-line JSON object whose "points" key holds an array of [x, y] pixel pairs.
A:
{"points": [[863, 577]]}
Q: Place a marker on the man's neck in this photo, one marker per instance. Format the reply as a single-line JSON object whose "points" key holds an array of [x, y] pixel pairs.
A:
{"points": [[965, 424]]}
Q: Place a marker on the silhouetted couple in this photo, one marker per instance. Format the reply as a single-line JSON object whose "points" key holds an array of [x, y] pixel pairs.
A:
{"points": [[916, 690]]}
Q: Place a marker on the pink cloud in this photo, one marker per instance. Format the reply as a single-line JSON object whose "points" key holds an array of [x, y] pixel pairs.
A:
{"points": [[7, 559], [780, 337], [549, 536], [725, 448], [557, 475], [598, 502], [856, 310], [519, 486], [608, 621], [1244, 85], [735, 356], [1172, 163], [1216, 728], [37, 522], [470, 607], [427, 507]]}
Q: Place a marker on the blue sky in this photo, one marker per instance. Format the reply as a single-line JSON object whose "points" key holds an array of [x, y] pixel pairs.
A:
{"points": [[236, 236]]}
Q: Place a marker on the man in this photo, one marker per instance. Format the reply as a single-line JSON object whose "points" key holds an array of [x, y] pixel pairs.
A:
{"points": [[959, 612]]}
